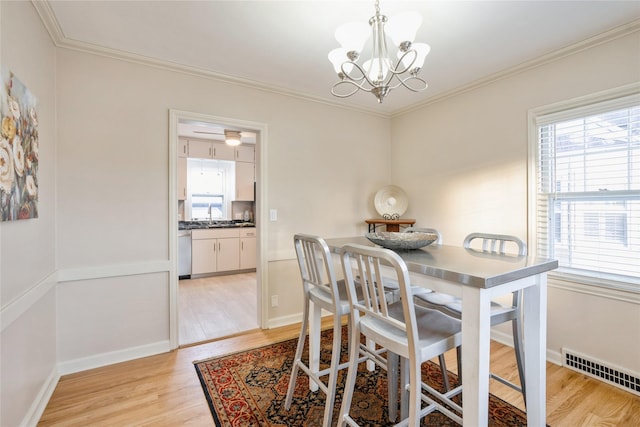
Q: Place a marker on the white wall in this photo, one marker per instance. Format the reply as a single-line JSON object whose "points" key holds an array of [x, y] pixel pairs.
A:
{"points": [[324, 164], [28, 262], [463, 163], [87, 283]]}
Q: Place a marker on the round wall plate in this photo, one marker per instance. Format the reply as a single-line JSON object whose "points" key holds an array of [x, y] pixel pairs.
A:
{"points": [[391, 202]]}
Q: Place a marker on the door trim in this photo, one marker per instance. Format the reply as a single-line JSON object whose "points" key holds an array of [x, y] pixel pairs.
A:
{"points": [[260, 218]]}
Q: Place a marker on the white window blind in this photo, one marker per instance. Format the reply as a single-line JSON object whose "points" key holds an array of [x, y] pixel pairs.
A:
{"points": [[588, 189]]}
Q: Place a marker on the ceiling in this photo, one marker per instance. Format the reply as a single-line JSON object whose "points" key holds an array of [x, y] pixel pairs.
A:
{"points": [[283, 45]]}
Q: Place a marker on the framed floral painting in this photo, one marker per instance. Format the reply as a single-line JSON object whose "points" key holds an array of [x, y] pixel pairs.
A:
{"points": [[18, 151]]}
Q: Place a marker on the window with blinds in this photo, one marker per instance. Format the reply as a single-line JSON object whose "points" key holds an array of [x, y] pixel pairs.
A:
{"points": [[588, 189]]}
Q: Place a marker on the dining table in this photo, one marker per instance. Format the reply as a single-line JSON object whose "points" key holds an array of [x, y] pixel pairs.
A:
{"points": [[477, 277]]}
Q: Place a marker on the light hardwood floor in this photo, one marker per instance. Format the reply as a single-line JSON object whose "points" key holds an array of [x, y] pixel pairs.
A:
{"points": [[164, 390], [216, 307]]}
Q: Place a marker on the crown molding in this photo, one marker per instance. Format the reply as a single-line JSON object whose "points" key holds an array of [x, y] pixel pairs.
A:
{"points": [[50, 22], [613, 34], [61, 41], [48, 18]]}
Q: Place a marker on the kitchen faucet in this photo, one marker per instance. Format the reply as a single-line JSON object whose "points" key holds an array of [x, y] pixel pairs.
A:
{"points": [[209, 212]]}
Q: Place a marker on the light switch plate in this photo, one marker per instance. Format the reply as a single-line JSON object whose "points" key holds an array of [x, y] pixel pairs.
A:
{"points": [[273, 214]]}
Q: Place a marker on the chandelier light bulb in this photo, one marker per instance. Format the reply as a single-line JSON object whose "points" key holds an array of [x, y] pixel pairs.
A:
{"points": [[421, 49], [338, 58], [352, 36], [377, 68], [403, 27]]}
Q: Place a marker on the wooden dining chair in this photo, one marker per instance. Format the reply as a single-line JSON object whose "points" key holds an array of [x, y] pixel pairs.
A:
{"points": [[415, 334], [500, 313]]}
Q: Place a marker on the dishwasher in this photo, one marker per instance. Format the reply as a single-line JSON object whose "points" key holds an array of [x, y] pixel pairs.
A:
{"points": [[184, 254]]}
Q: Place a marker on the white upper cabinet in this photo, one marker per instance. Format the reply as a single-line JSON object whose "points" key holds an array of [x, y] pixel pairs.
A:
{"points": [[245, 177], [200, 149], [222, 151], [245, 153]]}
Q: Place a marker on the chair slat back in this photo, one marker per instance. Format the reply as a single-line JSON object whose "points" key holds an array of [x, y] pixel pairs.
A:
{"points": [[496, 243], [365, 262], [314, 260]]}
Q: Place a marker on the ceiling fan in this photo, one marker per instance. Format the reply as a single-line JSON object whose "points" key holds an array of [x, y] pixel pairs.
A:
{"points": [[214, 131]]}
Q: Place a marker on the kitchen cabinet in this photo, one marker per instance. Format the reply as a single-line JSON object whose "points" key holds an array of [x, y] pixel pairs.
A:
{"points": [[222, 151], [182, 178], [245, 178], [199, 149], [203, 255], [247, 248], [245, 153], [215, 250]]}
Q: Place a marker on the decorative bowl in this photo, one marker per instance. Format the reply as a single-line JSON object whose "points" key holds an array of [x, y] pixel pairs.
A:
{"points": [[391, 202], [395, 240]]}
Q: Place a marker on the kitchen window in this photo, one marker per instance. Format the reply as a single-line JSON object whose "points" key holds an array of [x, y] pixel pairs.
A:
{"points": [[211, 188], [585, 207]]}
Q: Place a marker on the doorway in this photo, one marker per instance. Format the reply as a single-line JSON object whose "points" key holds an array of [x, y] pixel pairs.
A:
{"points": [[215, 307], [209, 307]]}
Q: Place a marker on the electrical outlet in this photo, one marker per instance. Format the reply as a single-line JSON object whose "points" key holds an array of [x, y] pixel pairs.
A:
{"points": [[274, 300]]}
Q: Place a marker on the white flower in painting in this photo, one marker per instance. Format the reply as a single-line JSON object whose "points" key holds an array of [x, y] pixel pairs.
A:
{"points": [[33, 117], [14, 107], [18, 155], [6, 166], [30, 184]]}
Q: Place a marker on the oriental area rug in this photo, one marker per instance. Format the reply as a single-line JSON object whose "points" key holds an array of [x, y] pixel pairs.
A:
{"points": [[248, 389]]}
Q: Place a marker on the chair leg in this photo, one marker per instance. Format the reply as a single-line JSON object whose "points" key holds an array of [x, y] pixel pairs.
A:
{"points": [[415, 395], [459, 357], [298, 356], [392, 384], [352, 371], [404, 393], [333, 371], [315, 326], [445, 375], [371, 366], [517, 346]]}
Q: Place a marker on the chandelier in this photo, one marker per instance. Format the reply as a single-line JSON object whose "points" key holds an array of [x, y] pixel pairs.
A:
{"points": [[381, 73]]}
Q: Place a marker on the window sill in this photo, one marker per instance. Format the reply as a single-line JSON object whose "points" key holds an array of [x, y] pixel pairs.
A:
{"points": [[621, 291]]}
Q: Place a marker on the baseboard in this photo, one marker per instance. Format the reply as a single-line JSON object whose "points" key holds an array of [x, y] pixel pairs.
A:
{"points": [[506, 339], [42, 399], [104, 359], [284, 320], [502, 337]]}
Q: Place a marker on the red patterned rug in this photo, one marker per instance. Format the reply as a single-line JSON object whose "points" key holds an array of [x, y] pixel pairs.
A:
{"points": [[249, 389]]}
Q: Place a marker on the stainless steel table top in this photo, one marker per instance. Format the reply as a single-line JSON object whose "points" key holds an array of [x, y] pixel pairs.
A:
{"points": [[460, 265]]}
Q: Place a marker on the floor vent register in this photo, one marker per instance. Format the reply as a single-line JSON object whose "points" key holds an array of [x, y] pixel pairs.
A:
{"points": [[599, 370]]}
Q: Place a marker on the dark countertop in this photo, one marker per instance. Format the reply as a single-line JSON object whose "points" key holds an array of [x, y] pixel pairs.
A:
{"points": [[203, 225]]}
